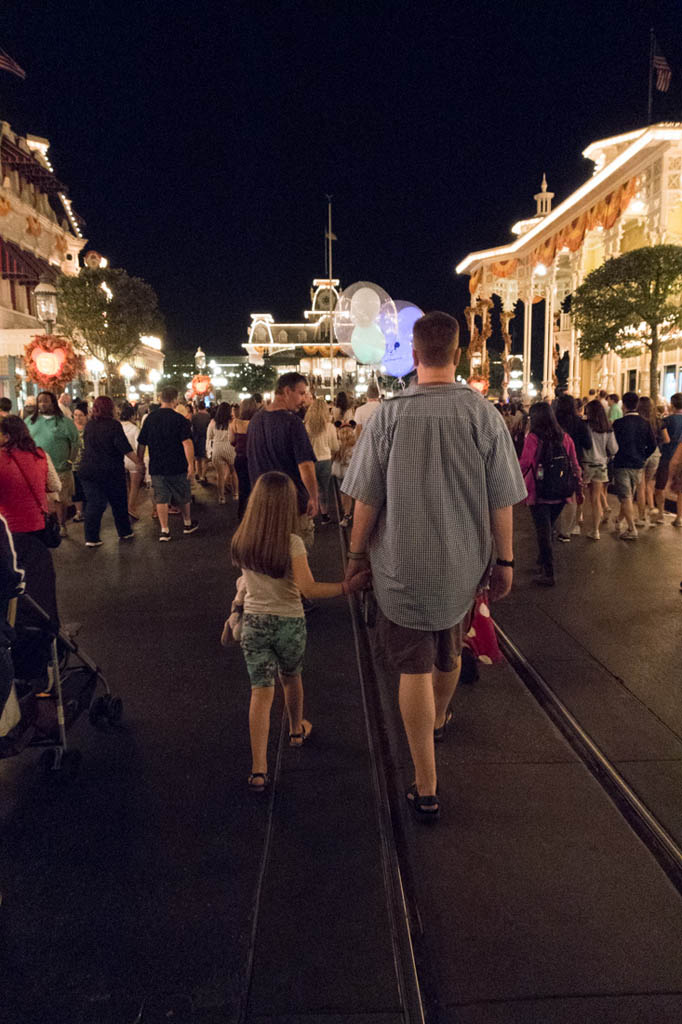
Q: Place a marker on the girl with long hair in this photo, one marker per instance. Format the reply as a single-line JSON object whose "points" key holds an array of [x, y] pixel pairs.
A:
{"points": [[273, 561], [135, 470], [647, 484], [238, 430], [221, 451], [568, 419], [595, 461], [544, 436], [325, 442]]}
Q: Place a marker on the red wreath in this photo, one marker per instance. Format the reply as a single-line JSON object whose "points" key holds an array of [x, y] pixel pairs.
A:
{"points": [[201, 385], [51, 361]]}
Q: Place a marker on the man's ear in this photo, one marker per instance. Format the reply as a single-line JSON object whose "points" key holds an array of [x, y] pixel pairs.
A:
{"points": [[457, 357], [415, 356]]}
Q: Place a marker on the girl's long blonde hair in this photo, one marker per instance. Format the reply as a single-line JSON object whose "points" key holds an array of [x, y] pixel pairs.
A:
{"points": [[317, 417], [262, 541]]}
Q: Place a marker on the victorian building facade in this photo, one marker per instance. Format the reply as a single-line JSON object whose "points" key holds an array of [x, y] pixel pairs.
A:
{"points": [[633, 199]]}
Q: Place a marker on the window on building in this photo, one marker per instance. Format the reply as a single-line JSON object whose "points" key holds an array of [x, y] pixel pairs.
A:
{"points": [[669, 381], [632, 380]]}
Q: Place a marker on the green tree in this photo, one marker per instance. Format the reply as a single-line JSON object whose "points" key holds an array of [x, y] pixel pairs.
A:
{"points": [[253, 378], [629, 304], [105, 311]]}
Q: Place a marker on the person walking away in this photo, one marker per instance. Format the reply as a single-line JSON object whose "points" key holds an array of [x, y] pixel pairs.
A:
{"points": [[340, 463], [364, 413], [5, 407], [615, 412], [200, 424], [676, 483], [237, 437], [57, 435], [29, 485], [552, 476], [168, 436], [342, 410], [272, 556], [595, 459], [277, 439], [221, 450], [102, 472], [577, 429], [646, 489], [80, 418], [434, 476], [134, 466], [673, 425], [325, 442], [636, 442]]}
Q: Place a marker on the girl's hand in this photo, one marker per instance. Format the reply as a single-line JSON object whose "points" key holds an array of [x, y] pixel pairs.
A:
{"points": [[360, 581]]}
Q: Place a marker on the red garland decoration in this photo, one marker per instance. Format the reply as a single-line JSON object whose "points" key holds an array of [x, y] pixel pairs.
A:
{"points": [[201, 385], [51, 361]]}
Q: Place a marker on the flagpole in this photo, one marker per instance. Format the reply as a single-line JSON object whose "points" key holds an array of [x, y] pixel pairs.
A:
{"points": [[652, 44], [330, 322]]}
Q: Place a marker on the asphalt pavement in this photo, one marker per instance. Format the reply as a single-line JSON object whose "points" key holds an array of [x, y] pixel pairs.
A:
{"points": [[155, 887]]}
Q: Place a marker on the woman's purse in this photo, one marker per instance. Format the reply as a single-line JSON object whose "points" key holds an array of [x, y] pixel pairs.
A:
{"points": [[50, 534]]}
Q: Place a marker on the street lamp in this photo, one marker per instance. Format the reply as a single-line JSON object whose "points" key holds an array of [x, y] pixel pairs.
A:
{"points": [[155, 377], [46, 303]]}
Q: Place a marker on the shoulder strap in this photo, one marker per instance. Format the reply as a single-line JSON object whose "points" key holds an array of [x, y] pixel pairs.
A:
{"points": [[28, 482]]}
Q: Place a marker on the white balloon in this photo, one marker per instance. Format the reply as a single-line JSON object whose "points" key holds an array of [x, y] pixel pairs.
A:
{"points": [[365, 306]]}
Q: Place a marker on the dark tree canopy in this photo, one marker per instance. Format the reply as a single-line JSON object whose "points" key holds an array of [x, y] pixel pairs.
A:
{"points": [[629, 304]]}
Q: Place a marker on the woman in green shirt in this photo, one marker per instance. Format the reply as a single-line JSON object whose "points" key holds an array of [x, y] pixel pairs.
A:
{"points": [[57, 435]]}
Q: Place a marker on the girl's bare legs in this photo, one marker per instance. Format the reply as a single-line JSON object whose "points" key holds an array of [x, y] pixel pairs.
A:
{"points": [[346, 504], [293, 700], [235, 483], [220, 470], [595, 503], [135, 484], [259, 726], [641, 498]]}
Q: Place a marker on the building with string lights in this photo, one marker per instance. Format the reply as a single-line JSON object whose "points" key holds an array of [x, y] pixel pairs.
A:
{"points": [[632, 199]]}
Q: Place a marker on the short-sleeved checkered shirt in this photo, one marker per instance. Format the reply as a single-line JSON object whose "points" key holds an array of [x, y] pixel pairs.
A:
{"points": [[434, 460]]}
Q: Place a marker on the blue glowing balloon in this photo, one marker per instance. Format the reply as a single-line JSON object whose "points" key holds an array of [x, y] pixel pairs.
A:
{"points": [[368, 343], [398, 354]]}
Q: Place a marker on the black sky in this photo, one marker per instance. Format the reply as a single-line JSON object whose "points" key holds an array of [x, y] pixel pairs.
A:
{"points": [[199, 141]]}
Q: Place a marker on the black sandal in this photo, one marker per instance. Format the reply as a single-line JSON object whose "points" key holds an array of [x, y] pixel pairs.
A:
{"points": [[426, 808], [256, 788], [439, 734], [302, 736]]}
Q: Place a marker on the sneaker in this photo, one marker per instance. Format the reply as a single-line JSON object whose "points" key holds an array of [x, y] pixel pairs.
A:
{"points": [[629, 534], [94, 543], [62, 530], [563, 538], [128, 536], [642, 522], [346, 521], [191, 526], [222, 500], [78, 518], [164, 535], [594, 535], [324, 519], [677, 521], [576, 531]]}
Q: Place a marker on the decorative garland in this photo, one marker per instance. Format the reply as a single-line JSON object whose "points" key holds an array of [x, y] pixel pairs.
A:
{"points": [[51, 361], [201, 385]]}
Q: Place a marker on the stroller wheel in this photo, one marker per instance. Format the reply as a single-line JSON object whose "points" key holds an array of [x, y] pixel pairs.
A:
{"points": [[114, 710], [64, 769], [97, 711]]}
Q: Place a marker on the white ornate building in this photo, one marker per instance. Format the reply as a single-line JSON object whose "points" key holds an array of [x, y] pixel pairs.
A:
{"points": [[633, 199]]}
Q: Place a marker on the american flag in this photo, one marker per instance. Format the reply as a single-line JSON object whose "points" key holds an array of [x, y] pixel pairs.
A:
{"points": [[662, 69], [7, 64]]}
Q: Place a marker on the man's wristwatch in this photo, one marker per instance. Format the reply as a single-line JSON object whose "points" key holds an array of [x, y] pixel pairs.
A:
{"points": [[508, 563], [355, 556]]}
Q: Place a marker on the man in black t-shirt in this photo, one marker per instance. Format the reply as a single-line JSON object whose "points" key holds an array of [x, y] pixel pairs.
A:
{"points": [[167, 434], [277, 440]]}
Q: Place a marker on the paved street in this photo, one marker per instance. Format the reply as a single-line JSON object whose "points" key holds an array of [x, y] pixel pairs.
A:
{"points": [[142, 887]]}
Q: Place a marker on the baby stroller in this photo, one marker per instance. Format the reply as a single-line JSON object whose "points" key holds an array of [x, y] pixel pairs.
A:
{"points": [[54, 683]]}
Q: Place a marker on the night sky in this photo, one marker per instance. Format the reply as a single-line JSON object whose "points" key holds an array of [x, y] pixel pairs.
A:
{"points": [[199, 145]]}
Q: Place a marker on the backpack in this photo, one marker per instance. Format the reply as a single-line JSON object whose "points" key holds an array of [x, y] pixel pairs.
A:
{"points": [[554, 476]]}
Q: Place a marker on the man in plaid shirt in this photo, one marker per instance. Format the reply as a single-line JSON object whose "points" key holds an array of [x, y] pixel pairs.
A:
{"points": [[434, 476]]}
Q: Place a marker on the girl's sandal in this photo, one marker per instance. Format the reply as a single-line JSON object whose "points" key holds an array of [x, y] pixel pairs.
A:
{"points": [[426, 808], [258, 786], [297, 739]]}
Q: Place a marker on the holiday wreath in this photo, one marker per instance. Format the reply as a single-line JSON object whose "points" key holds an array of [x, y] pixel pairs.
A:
{"points": [[51, 361]]}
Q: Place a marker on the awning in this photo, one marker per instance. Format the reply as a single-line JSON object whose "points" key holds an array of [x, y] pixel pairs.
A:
{"points": [[31, 169], [19, 265]]}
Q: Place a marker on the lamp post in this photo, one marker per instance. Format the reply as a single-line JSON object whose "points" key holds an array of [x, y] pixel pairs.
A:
{"points": [[46, 303]]}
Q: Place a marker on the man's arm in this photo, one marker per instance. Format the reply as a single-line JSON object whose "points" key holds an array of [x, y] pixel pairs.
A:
{"points": [[307, 471], [364, 521], [502, 526], [188, 445]]}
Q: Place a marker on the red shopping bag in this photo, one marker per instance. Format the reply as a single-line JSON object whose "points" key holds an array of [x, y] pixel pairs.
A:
{"points": [[481, 638]]}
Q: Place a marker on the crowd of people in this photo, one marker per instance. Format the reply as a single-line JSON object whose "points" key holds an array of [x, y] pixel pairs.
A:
{"points": [[427, 481]]}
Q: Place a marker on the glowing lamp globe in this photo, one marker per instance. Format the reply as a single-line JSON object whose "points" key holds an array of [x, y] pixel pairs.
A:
{"points": [[49, 363]]}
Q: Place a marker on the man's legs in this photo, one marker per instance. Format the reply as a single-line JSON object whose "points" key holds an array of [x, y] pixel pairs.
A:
{"points": [[444, 686], [162, 512], [418, 711]]}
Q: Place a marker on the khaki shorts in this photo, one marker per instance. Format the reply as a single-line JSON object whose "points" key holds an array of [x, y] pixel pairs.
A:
{"points": [[596, 472], [416, 651], [68, 487], [306, 530]]}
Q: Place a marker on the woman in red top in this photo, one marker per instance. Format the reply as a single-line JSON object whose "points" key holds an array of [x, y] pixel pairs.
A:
{"points": [[544, 429], [26, 477]]}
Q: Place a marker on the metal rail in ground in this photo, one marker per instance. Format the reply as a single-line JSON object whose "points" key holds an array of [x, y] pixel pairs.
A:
{"points": [[655, 836]]}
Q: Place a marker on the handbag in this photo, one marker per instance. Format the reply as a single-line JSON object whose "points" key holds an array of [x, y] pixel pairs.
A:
{"points": [[50, 534]]}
